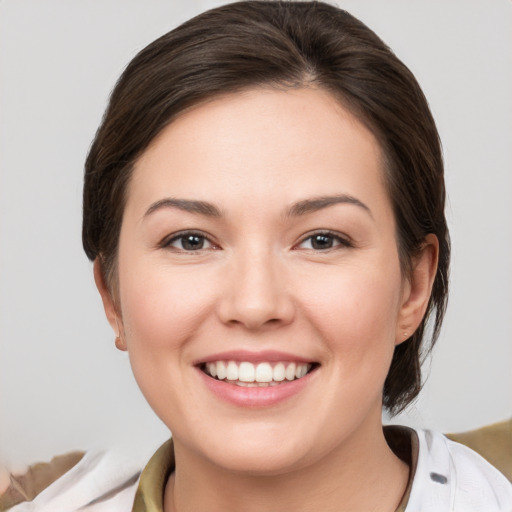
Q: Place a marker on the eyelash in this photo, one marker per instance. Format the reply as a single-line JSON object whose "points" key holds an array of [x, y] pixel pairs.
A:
{"points": [[340, 241], [167, 242]]}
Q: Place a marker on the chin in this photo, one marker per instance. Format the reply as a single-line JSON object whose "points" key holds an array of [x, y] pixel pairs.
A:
{"points": [[269, 452], [260, 462]]}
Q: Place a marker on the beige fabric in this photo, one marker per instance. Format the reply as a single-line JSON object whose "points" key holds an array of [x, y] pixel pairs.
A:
{"points": [[493, 443], [150, 493], [37, 478]]}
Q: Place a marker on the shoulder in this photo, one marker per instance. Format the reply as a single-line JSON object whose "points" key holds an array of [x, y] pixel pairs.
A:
{"points": [[25, 485], [98, 480], [492, 442], [451, 476]]}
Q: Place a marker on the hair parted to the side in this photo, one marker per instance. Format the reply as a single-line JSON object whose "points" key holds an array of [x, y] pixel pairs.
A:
{"points": [[281, 44]]}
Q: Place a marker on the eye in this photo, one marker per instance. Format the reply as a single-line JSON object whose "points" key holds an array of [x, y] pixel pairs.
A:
{"points": [[322, 241], [188, 241]]}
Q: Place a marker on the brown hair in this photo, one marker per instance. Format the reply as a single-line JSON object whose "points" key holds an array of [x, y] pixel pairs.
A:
{"points": [[281, 44]]}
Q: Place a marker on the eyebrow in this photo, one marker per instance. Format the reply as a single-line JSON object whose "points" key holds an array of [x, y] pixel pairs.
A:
{"points": [[297, 209], [319, 203], [187, 205]]}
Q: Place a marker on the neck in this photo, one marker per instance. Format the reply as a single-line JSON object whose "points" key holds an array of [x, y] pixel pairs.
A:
{"points": [[361, 475]]}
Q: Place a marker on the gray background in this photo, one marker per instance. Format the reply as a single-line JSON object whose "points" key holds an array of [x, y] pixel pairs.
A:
{"points": [[63, 385]]}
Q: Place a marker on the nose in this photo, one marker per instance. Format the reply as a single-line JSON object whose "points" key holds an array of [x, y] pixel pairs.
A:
{"points": [[255, 293]]}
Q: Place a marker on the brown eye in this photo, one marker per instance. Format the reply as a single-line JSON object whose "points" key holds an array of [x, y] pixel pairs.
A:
{"points": [[323, 241], [189, 242], [192, 242]]}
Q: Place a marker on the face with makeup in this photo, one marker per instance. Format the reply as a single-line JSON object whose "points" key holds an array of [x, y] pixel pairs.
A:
{"points": [[260, 293]]}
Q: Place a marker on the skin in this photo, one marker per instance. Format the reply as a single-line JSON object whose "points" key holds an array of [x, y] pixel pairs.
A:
{"points": [[259, 284], [5, 480]]}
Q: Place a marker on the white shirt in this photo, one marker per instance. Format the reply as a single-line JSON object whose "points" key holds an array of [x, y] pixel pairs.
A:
{"points": [[449, 477], [453, 478]]}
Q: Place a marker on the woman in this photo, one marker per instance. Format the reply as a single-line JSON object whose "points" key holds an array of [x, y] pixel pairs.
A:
{"points": [[264, 206]]}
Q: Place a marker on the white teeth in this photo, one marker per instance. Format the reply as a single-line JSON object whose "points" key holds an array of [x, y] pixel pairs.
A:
{"points": [[232, 371], [246, 384], [212, 369], [300, 371], [262, 374], [246, 372], [290, 372], [221, 370], [255, 384], [278, 373]]}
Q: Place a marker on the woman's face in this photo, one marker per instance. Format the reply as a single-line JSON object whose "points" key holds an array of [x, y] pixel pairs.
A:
{"points": [[258, 243]]}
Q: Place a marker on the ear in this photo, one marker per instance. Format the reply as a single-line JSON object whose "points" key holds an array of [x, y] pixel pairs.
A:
{"points": [[109, 306], [417, 289]]}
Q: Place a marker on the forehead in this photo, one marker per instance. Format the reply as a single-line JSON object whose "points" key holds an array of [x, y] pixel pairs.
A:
{"points": [[261, 143]]}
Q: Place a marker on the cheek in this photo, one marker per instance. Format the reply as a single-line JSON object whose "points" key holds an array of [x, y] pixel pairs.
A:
{"points": [[162, 308], [161, 313], [356, 308]]}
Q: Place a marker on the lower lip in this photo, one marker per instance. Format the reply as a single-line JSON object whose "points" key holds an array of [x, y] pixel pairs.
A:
{"points": [[242, 396]]}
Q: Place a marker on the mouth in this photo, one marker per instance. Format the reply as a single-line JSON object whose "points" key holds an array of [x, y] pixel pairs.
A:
{"points": [[261, 374]]}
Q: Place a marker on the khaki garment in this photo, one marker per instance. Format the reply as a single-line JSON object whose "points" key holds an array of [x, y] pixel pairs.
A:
{"points": [[36, 479], [150, 493], [493, 442]]}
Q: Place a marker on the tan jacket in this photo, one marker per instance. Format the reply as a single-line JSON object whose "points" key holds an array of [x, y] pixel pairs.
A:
{"points": [[493, 442]]}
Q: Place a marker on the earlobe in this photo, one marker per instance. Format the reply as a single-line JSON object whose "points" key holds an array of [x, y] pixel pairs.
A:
{"points": [[109, 305], [417, 290]]}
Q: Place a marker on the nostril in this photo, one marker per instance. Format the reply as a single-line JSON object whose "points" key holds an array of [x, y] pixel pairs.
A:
{"points": [[253, 298]]}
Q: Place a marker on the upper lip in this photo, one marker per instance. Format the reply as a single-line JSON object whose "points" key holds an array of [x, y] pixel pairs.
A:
{"points": [[253, 357]]}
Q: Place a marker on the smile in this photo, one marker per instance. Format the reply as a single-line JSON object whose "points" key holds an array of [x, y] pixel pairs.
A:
{"points": [[262, 374]]}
